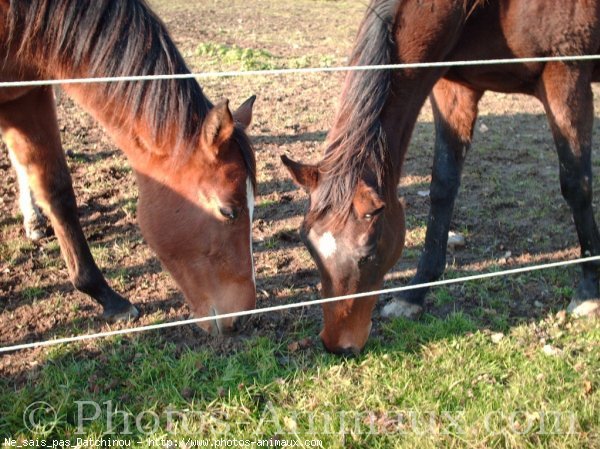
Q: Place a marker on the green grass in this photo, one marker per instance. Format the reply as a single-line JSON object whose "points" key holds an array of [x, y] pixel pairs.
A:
{"points": [[413, 379], [433, 383], [32, 293], [14, 251], [271, 243], [239, 58], [248, 58]]}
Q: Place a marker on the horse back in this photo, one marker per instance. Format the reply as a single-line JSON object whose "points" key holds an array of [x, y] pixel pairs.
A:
{"points": [[505, 29]]}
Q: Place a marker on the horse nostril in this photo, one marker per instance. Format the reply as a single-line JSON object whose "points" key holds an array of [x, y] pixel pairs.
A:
{"points": [[366, 260], [239, 323], [348, 352]]}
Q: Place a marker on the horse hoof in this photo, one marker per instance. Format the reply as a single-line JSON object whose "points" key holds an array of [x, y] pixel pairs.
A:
{"points": [[400, 308], [128, 315], [588, 308], [35, 233]]}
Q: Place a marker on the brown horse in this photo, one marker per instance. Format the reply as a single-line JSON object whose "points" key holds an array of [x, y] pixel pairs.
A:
{"points": [[193, 163], [354, 227]]}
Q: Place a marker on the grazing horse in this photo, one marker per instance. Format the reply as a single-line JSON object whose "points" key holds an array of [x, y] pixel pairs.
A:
{"points": [[193, 162], [354, 227]]}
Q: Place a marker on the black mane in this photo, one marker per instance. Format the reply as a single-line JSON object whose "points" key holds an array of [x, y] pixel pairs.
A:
{"points": [[98, 38], [357, 139]]}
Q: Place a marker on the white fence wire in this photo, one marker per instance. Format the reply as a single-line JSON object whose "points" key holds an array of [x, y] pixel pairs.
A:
{"points": [[307, 70], [225, 74], [283, 307]]}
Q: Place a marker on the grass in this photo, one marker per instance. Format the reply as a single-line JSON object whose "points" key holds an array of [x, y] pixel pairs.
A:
{"points": [[473, 379], [32, 293], [247, 58], [14, 251], [238, 58], [433, 383]]}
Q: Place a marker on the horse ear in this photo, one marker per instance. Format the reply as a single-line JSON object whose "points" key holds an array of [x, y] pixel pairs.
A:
{"points": [[218, 125], [305, 176], [243, 114]]}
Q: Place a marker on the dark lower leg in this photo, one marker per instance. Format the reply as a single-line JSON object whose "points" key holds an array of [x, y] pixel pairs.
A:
{"points": [[30, 129], [567, 97], [455, 112]]}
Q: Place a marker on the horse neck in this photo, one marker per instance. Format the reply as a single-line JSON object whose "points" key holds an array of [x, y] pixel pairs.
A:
{"points": [[398, 118], [421, 34], [147, 119], [134, 133]]}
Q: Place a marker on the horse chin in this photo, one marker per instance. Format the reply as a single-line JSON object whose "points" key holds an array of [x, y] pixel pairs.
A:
{"points": [[222, 326], [228, 325], [218, 326], [344, 349], [345, 336]]}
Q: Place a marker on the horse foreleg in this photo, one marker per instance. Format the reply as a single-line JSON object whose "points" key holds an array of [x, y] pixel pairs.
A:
{"points": [[30, 129], [34, 221], [455, 112], [566, 93]]}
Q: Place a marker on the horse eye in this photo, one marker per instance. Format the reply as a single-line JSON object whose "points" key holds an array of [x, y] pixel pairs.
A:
{"points": [[228, 212], [366, 260], [371, 215]]}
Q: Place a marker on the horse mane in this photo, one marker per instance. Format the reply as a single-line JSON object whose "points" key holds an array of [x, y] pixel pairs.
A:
{"points": [[241, 138], [100, 38], [357, 140]]}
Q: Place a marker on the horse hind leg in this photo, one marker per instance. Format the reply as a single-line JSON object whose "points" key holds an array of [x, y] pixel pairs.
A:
{"points": [[455, 113], [34, 222], [30, 129], [566, 93]]}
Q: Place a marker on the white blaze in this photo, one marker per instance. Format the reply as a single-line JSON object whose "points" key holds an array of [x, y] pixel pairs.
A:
{"points": [[327, 245], [250, 202]]}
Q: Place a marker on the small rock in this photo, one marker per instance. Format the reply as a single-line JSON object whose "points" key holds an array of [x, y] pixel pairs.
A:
{"points": [[305, 343], [456, 240], [551, 350], [590, 307], [265, 293], [497, 337], [587, 387], [283, 360], [505, 257], [187, 393], [423, 193], [483, 128], [538, 304]]}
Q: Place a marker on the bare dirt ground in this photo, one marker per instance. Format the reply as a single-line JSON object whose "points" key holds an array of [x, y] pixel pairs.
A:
{"points": [[509, 208]]}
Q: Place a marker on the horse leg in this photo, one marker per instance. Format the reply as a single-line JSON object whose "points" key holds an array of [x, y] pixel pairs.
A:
{"points": [[34, 221], [455, 111], [566, 93], [30, 129]]}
